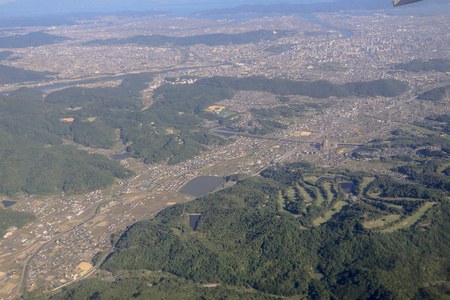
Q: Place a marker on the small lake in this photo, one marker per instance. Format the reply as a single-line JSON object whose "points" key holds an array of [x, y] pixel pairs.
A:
{"points": [[7, 204], [325, 179], [202, 185], [193, 221], [347, 187], [121, 156]]}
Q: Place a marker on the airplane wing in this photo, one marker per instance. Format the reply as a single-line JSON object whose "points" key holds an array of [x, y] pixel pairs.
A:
{"points": [[403, 2]]}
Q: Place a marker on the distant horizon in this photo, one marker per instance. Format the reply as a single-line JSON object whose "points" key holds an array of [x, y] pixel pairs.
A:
{"points": [[50, 7], [60, 9]]}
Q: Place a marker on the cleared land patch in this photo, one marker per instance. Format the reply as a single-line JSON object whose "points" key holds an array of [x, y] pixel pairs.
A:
{"points": [[327, 187], [421, 129], [305, 133], [381, 222], [84, 266], [303, 193], [215, 108], [67, 120], [310, 179], [314, 192], [408, 222], [329, 214], [365, 183]]}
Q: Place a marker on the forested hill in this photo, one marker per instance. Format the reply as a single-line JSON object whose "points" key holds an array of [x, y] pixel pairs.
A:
{"points": [[440, 65], [32, 126], [33, 39], [315, 89], [5, 54], [286, 8], [217, 39], [10, 75], [10, 218], [33, 158], [286, 233], [437, 94]]}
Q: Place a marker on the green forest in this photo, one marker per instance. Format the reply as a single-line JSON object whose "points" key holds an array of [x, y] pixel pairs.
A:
{"points": [[10, 218], [217, 39], [40, 171], [34, 160], [10, 75], [314, 89], [292, 231], [440, 65], [155, 286], [430, 132], [436, 94], [317, 233], [32, 39]]}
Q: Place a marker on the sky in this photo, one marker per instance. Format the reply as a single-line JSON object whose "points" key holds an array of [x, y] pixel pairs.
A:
{"points": [[177, 7], [212, 1], [220, 2], [40, 7]]}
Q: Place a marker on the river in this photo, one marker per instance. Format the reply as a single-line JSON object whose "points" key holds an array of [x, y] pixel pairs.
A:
{"points": [[309, 17], [314, 19]]}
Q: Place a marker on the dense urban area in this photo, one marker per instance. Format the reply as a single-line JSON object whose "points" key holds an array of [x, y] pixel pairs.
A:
{"points": [[72, 233]]}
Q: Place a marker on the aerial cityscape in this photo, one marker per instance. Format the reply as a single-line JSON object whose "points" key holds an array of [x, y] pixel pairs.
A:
{"points": [[307, 121]]}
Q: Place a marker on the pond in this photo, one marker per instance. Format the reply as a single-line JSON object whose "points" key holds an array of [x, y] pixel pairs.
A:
{"points": [[121, 156], [347, 187], [7, 204], [193, 221], [202, 185]]}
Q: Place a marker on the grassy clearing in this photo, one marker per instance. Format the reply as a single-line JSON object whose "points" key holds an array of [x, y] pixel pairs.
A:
{"points": [[282, 203], [394, 205], [330, 195], [310, 179], [303, 193], [329, 214], [405, 198], [365, 184], [339, 205], [408, 222], [381, 222], [291, 193], [443, 167], [421, 129], [378, 198], [320, 198]]}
